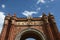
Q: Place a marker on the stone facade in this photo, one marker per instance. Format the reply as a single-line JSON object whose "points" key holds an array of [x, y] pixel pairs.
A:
{"points": [[44, 27]]}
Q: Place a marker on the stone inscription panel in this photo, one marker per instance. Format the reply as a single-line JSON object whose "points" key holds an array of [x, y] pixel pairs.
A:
{"points": [[29, 23]]}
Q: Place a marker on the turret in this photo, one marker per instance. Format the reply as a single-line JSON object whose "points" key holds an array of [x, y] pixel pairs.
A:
{"points": [[13, 18], [51, 18], [46, 27], [6, 27], [7, 18], [45, 18], [53, 26]]}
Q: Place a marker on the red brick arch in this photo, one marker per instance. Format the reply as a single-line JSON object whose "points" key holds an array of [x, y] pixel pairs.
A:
{"points": [[30, 33]]}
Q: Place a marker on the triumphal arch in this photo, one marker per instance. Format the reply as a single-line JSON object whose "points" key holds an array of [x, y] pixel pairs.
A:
{"points": [[38, 28]]}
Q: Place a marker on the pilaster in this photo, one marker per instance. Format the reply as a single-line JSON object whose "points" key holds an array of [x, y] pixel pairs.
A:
{"points": [[47, 28], [53, 27], [4, 33], [11, 33]]}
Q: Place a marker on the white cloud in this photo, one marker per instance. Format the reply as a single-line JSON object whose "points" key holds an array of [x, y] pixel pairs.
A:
{"points": [[2, 16], [52, 0], [38, 9], [40, 1], [27, 13], [3, 6], [40, 16], [51, 13]]}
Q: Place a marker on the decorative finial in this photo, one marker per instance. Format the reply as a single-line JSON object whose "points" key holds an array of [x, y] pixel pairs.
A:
{"points": [[29, 16], [50, 14], [43, 14], [8, 14], [15, 14]]}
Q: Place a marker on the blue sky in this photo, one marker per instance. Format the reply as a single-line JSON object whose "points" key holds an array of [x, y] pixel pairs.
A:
{"points": [[35, 8]]}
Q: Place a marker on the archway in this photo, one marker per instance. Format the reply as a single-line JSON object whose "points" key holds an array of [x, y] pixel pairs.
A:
{"points": [[30, 33]]}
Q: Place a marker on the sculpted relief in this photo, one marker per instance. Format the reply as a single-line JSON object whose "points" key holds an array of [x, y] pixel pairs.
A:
{"points": [[29, 23]]}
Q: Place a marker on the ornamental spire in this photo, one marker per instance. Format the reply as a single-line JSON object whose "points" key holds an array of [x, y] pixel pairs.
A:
{"points": [[14, 15], [29, 17]]}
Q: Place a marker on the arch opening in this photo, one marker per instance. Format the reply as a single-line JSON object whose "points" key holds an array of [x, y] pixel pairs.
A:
{"points": [[31, 34]]}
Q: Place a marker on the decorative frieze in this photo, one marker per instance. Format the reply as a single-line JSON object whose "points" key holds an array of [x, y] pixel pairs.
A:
{"points": [[29, 23]]}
